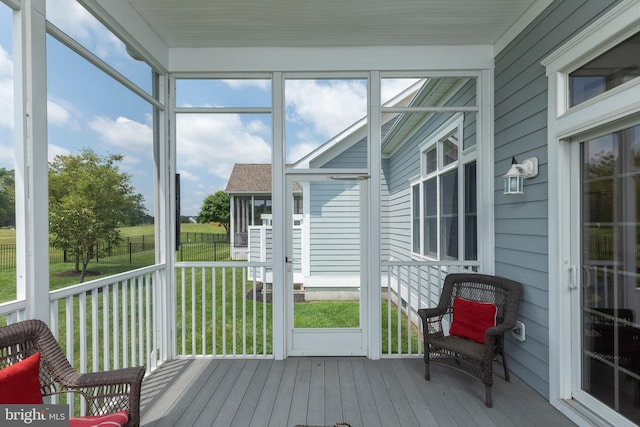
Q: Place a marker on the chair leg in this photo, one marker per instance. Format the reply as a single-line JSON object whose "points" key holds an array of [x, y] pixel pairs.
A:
{"points": [[427, 374], [487, 398], [504, 365]]}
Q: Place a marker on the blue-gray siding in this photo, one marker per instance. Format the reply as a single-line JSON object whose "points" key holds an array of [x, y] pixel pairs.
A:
{"points": [[521, 130], [334, 228]]}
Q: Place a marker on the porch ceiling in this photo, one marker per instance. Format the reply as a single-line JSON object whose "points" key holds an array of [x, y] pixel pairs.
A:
{"points": [[307, 23]]}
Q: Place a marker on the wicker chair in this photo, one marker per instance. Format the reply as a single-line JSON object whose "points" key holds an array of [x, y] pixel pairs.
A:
{"points": [[463, 354], [104, 392]]}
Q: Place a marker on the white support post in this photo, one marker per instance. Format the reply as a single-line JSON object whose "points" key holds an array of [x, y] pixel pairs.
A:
{"points": [[32, 215], [374, 292], [278, 203], [486, 179]]}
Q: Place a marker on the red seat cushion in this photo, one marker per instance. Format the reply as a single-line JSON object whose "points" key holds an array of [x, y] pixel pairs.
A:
{"points": [[111, 420], [471, 319], [20, 382]]}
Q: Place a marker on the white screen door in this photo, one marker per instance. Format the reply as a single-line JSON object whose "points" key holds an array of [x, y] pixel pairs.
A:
{"points": [[325, 224]]}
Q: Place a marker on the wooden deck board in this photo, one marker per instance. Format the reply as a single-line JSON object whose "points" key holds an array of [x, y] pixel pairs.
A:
{"points": [[324, 391]]}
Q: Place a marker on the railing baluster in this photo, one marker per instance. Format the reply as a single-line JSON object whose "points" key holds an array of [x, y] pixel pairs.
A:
{"points": [[214, 323], [224, 311], [95, 335], [193, 311], [389, 328], [132, 321], [203, 309], [264, 309], [141, 350], [106, 333], [147, 323], [183, 309], [125, 323], [234, 316], [116, 327]]}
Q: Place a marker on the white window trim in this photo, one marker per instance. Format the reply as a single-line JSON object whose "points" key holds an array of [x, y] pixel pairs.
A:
{"points": [[565, 124], [455, 123]]}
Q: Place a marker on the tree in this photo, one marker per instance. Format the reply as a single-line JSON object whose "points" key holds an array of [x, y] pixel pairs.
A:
{"points": [[216, 208], [7, 198], [136, 213], [89, 198]]}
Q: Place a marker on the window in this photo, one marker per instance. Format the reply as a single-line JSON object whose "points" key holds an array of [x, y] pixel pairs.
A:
{"points": [[611, 69], [436, 205]]}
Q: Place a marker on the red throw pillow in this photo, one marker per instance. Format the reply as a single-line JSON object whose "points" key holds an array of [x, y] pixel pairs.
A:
{"points": [[20, 382], [111, 420], [471, 319]]}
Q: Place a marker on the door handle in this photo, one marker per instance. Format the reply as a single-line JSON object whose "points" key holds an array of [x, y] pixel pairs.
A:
{"points": [[573, 277]]}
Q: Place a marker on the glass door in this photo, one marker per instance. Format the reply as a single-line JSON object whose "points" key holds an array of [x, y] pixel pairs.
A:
{"points": [[326, 220], [609, 311]]}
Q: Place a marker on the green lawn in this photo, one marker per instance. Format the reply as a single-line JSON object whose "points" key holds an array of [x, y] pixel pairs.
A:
{"points": [[308, 315]]}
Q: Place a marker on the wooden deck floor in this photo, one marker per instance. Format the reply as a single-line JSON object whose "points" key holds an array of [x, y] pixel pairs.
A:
{"points": [[322, 391]]}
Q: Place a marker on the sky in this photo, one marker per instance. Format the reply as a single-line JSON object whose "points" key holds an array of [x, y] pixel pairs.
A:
{"points": [[88, 109]]}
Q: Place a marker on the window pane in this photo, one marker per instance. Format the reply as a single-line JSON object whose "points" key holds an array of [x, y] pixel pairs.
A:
{"points": [[75, 21], [609, 265], [450, 149], [224, 154], [613, 68], [470, 213], [430, 218], [449, 216], [469, 131], [431, 161], [223, 93], [7, 162], [325, 123], [100, 145]]}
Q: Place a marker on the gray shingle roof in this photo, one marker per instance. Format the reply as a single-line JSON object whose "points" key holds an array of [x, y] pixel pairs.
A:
{"points": [[249, 178]]}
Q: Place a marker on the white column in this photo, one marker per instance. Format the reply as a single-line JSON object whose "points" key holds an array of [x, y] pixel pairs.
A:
{"points": [[32, 215], [372, 249], [278, 221], [485, 174]]}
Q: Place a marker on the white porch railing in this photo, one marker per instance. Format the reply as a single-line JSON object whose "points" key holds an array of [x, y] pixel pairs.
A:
{"points": [[221, 310], [104, 324], [110, 323], [406, 287]]}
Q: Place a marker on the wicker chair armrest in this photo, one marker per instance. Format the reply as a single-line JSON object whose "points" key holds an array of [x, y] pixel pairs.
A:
{"points": [[427, 313], [110, 391], [498, 330], [104, 378]]}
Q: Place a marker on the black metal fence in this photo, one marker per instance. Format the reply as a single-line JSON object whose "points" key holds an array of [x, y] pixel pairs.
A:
{"points": [[137, 250]]}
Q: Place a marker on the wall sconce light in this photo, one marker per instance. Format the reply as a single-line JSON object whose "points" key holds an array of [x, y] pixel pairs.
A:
{"points": [[514, 178]]}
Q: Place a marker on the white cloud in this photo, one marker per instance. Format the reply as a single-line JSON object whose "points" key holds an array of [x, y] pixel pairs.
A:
{"points": [[298, 151], [248, 83], [216, 142], [6, 64], [6, 106], [7, 156], [188, 175], [57, 113], [55, 150], [328, 107], [123, 133], [6, 89], [74, 20], [393, 87]]}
